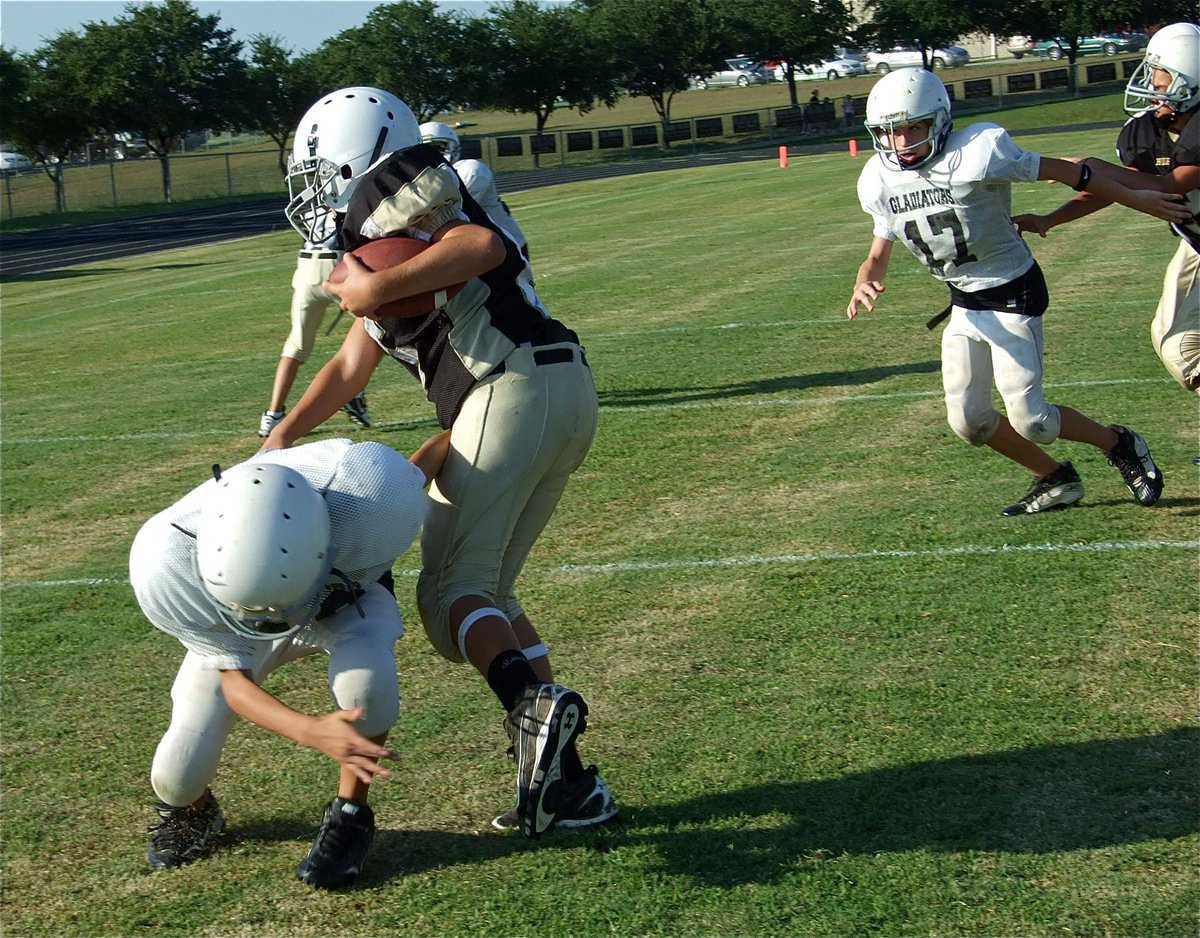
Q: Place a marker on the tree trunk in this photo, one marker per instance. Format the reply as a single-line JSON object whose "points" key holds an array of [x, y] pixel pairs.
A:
{"points": [[165, 161]]}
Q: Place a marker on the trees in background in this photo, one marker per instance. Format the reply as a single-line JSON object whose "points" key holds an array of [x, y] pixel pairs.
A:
{"points": [[279, 89], [162, 71], [791, 31], [649, 48]]}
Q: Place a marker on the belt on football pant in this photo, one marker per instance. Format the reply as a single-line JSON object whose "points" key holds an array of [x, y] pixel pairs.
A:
{"points": [[548, 356], [321, 255]]}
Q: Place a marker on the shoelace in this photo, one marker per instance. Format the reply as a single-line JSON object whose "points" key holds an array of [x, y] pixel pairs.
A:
{"points": [[180, 827]]}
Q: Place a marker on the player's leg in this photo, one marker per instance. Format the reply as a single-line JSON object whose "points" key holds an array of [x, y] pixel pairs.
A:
{"points": [[309, 303], [185, 764], [362, 673], [1017, 344], [1175, 330], [515, 431]]}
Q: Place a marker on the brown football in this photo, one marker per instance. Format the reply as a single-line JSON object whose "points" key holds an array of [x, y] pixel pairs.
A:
{"points": [[384, 253]]}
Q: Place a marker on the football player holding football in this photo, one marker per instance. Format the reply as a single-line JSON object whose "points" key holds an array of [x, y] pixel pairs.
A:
{"points": [[1160, 143], [511, 383], [947, 196], [280, 557], [479, 179]]}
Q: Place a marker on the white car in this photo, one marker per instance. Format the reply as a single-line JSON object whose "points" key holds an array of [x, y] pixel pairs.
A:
{"points": [[826, 69], [11, 163], [883, 61]]}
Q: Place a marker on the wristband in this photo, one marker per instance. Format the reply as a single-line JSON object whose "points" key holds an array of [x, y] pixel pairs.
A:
{"points": [[1085, 176]]}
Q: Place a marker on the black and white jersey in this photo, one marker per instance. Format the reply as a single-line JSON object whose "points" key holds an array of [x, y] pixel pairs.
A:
{"points": [[414, 193], [1145, 145]]}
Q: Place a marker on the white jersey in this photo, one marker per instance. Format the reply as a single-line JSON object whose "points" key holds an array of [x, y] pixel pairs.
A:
{"points": [[376, 502], [954, 213], [480, 181]]}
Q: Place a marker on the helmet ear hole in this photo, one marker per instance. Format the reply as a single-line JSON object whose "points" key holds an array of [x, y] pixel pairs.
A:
{"points": [[347, 171], [263, 548]]}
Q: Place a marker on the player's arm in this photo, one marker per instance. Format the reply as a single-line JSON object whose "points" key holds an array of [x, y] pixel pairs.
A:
{"points": [[868, 285], [1180, 180], [459, 251], [333, 734], [343, 376], [431, 455], [1082, 177]]}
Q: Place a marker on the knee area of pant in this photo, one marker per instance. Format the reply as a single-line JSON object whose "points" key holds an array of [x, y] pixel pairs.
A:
{"points": [[975, 431], [1040, 430]]}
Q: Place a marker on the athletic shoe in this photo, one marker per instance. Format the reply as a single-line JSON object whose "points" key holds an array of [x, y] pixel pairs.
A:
{"points": [[1061, 488], [545, 720], [1132, 458], [268, 421], [356, 410], [337, 855], [185, 834], [586, 802]]}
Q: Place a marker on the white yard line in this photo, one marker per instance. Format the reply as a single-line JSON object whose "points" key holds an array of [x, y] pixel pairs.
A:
{"points": [[756, 560]]}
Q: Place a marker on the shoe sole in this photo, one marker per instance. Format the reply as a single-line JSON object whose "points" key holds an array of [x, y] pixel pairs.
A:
{"points": [[1057, 506], [566, 721], [506, 822]]}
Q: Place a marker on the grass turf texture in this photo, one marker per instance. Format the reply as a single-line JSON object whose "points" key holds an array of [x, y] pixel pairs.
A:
{"points": [[833, 691]]}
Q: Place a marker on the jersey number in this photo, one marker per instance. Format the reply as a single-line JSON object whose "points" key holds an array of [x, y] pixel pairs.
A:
{"points": [[938, 223]]}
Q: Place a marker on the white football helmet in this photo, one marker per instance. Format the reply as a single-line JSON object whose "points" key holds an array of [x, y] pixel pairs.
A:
{"points": [[337, 140], [1174, 49], [903, 97], [263, 549], [442, 136]]}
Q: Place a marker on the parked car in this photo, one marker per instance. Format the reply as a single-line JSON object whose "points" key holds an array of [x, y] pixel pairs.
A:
{"points": [[1020, 46], [12, 163], [827, 69], [1101, 43], [738, 72], [883, 61]]}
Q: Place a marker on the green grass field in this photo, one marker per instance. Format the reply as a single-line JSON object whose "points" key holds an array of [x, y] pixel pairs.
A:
{"points": [[834, 691]]}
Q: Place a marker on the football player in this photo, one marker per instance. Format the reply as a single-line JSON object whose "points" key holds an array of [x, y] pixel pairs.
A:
{"points": [[280, 557], [510, 383], [479, 179], [1160, 143], [320, 253], [946, 195]]}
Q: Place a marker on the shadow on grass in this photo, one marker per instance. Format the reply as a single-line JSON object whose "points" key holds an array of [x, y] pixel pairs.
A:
{"points": [[51, 276], [1071, 796], [640, 397], [1047, 799]]}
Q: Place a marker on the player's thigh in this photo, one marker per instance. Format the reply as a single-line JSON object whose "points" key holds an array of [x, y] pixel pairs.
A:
{"points": [[1175, 329], [515, 431]]}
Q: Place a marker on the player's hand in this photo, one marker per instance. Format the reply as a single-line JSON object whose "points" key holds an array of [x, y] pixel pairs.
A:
{"points": [[355, 294], [865, 294], [334, 735], [1169, 206], [1033, 223]]}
